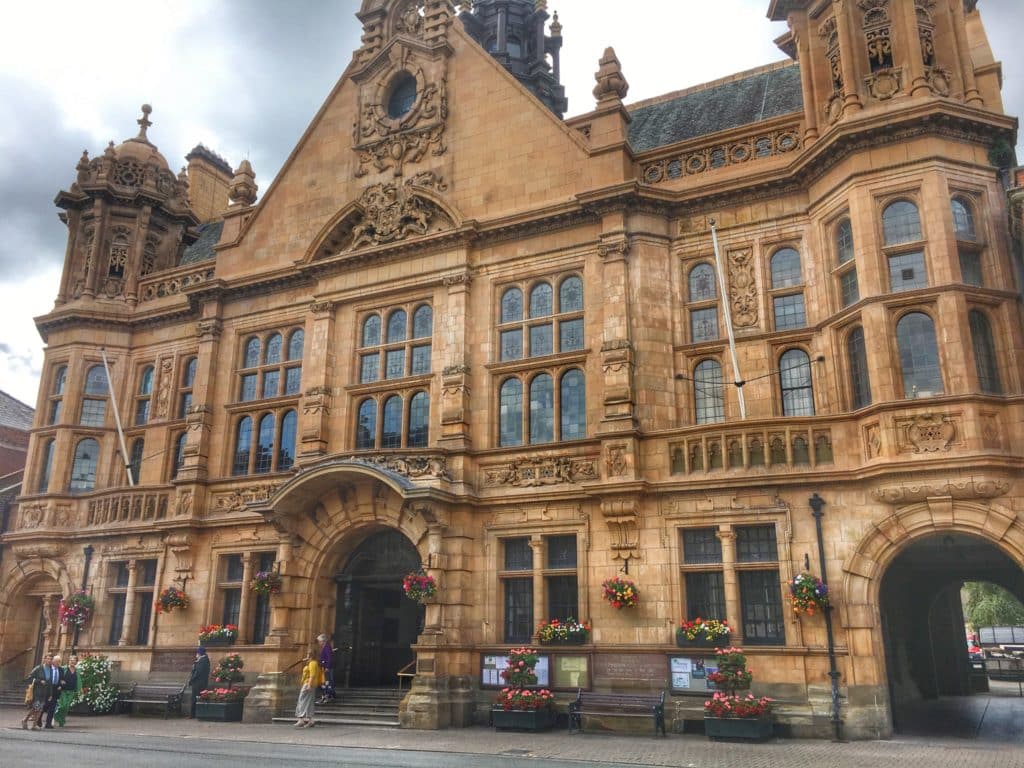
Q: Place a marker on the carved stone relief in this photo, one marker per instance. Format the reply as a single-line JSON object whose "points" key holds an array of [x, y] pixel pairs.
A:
{"points": [[615, 461], [235, 500], [621, 517], [409, 466], [873, 441], [539, 471], [884, 84], [32, 515], [928, 433], [742, 288], [164, 388], [393, 212], [971, 488]]}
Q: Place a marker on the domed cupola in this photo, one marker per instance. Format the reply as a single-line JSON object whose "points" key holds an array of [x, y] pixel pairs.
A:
{"points": [[512, 31], [127, 215]]}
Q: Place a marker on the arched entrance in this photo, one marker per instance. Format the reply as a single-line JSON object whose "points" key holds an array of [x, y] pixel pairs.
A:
{"points": [[923, 630], [375, 624]]}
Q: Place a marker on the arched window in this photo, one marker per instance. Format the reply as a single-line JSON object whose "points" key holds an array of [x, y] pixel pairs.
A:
{"points": [[540, 300], [265, 445], [179, 454], [963, 219], [901, 223], [795, 383], [243, 447], [422, 322], [985, 361], [135, 462], [919, 356], [60, 380], [511, 305], [83, 467], [144, 396], [366, 425], [295, 342], [542, 409], [402, 96], [391, 425], [849, 289], [273, 351], [702, 283], [857, 359], [371, 331], [396, 326], [573, 402], [252, 353], [708, 400], [286, 452], [47, 466], [510, 407], [570, 295], [94, 404], [419, 420], [188, 380], [786, 268]]}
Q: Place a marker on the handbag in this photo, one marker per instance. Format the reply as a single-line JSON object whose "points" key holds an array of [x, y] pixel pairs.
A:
{"points": [[28, 693]]}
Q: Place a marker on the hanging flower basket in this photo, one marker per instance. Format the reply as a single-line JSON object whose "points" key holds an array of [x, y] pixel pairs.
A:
{"points": [[620, 593], [808, 594], [266, 583], [74, 611], [419, 586], [218, 634], [171, 598]]}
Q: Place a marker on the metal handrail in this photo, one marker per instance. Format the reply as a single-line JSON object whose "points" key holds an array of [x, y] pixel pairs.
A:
{"points": [[403, 672]]}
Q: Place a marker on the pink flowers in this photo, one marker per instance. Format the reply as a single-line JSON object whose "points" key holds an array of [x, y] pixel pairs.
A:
{"points": [[419, 586]]}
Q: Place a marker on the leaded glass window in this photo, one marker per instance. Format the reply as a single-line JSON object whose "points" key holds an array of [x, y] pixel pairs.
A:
{"points": [[542, 409], [919, 356], [795, 383], [856, 357], [573, 404], [702, 283], [985, 360], [510, 407], [708, 400], [901, 223], [391, 425]]}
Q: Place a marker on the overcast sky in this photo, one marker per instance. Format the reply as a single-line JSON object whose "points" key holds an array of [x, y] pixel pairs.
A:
{"points": [[244, 77]]}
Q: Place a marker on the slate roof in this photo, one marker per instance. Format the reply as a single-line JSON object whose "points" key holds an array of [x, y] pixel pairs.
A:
{"points": [[202, 249], [14, 413], [763, 94]]}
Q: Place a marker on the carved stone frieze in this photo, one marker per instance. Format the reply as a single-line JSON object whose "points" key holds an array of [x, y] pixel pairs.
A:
{"points": [[455, 370], [530, 472], [742, 288], [393, 212], [53, 550], [395, 151], [963, 490], [32, 515], [236, 500], [623, 524], [463, 278], [927, 432], [409, 466], [172, 286], [127, 507]]}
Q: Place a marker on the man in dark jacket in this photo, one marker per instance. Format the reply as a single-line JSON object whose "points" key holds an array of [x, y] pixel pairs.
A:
{"points": [[200, 677], [41, 679]]}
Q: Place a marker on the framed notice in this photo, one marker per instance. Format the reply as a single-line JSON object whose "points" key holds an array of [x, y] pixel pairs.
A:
{"points": [[491, 667], [571, 672], [689, 674]]}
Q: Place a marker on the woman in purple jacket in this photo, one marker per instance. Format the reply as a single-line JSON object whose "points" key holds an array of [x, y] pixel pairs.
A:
{"points": [[327, 667]]}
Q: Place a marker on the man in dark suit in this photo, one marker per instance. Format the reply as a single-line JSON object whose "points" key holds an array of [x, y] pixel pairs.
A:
{"points": [[55, 679], [200, 677]]}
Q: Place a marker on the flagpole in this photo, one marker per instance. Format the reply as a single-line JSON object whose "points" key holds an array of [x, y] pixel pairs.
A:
{"points": [[737, 379], [117, 420]]}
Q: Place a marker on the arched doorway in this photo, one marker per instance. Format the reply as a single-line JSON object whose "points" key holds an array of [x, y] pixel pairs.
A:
{"points": [[375, 624], [927, 664]]}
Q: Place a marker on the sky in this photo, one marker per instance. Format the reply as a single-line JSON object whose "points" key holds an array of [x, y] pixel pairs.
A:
{"points": [[245, 77]]}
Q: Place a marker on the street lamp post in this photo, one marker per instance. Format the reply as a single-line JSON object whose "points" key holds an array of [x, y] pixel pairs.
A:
{"points": [[88, 550], [817, 503]]}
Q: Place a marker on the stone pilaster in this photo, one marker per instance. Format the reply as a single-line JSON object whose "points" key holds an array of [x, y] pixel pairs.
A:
{"points": [[317, 372]]}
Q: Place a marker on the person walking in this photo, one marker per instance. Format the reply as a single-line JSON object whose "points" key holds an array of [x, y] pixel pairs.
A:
{"points": [[312, 678], [42, 690], [200, 678], [327, 667], [55, 685], [70, 688]]}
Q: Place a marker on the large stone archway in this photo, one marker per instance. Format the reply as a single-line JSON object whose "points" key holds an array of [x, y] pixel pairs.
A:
{"points": [[28, 610], [864, 579]]}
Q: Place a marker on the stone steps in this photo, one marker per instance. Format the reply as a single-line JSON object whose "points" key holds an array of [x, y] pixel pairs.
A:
{"points": [[358, 706]]}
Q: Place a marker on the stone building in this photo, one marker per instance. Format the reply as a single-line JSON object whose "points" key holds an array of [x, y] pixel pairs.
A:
{"points": [[462, 333]]}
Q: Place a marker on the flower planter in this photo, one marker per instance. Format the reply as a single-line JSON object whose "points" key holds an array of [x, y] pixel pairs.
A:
{"points": [[702, 642], [571, 640], [738, 728], [523, 720], [220, 711], [217, 642]]}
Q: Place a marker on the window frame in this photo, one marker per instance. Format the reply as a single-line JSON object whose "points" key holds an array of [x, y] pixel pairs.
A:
{"points": [[842, 269], [256, 418], [380, 398], [94, 402], [262, 370], [144, 395], [904, 247], [926, 312], [969, 246], [526, 379], [783, 389], [786, 289], [698, 304], [385, 346], [527, 321]]}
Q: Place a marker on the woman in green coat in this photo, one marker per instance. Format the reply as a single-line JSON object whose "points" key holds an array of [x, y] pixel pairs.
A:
{"points": [[70, 688]]}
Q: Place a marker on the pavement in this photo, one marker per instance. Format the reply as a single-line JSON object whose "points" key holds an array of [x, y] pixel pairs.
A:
{"points": [[683, 751]]}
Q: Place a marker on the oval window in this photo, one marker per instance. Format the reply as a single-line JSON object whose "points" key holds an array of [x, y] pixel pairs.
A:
{"points": [[403, 95]]}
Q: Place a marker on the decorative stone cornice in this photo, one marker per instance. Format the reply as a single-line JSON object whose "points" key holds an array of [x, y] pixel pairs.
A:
{"points": [[971, 488]]}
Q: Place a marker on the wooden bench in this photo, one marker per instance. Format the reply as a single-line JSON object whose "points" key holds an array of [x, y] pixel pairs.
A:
{"points": [[166, 695], [616, 705], [1010, 669]]}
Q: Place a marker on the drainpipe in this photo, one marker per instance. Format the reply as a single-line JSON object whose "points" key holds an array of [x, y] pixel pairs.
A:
{"points": [[817, 503], [88, 550]]}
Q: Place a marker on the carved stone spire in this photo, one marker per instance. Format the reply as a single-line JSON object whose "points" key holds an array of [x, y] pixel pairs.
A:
{"points": [[144, 123], [611, 84]]}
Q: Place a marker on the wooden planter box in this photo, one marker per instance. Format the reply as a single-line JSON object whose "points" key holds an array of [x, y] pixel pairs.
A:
{"points": [[217, 642], [718, 642], [220, 711], [572, 640], [738, 728], [523, 720]]}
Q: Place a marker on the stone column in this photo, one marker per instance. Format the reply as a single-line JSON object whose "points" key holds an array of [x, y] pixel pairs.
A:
{"points": [[905, 15], [93, 257], [74, 230], [280, 607], [129, 605], [135, 256], [455, 403], [317, 372], [727, 536], [803, 57], [963, 49], [200, 415], [246, 603], [539, 609], [617, 358], [852, 102]]}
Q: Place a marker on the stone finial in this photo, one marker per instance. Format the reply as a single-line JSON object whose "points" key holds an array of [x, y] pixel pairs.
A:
{"points": [[611, 85], [556, 26], [144, 123], [243, 186]]}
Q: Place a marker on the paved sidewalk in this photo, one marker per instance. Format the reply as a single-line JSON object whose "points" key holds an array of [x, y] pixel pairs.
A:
{"points": [[590, 749]]}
